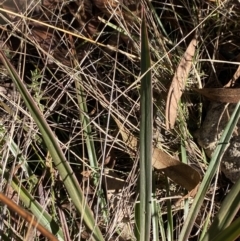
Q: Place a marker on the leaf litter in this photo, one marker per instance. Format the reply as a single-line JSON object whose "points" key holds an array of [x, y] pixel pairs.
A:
{"points": [[180, 173], [178, 84], [227, 94]]}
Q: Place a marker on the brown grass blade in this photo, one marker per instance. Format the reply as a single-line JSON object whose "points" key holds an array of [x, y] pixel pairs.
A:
{"points": [[225, 95], [178, 84]]}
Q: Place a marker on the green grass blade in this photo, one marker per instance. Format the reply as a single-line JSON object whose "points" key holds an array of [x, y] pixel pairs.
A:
{"points": [[29, 201], [154, 212], [213, 166], [184, 160], [86, 126], [158, 20], [22, 161], [170, 227], [145, 139], [90, 146], [231, 233], [161, 225], [58, 157], [227, 212]]}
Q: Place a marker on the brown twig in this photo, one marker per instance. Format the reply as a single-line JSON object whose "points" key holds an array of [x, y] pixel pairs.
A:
{"points": [[27, 216]]}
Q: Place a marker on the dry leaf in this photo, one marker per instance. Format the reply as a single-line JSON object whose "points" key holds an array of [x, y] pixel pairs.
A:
{"points": [[179, 172], [225, 95], [178, 84]]}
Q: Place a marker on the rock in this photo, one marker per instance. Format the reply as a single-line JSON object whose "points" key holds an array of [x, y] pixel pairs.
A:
{"points": [[208, 135]]}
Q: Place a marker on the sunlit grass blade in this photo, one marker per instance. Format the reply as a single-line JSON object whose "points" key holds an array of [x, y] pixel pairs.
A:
{"points": [[231, 233], [144, 224], [170, 227], [155, 217], [161, 225], [65, 171], [213, 166], [226, 214]]}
